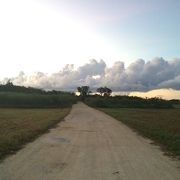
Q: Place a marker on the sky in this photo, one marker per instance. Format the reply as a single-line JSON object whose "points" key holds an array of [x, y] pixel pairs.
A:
{"points": [[44, 36], [160, 93]]}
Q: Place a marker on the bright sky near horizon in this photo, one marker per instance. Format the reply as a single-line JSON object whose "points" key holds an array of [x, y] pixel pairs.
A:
{"points": [[44, 35]]}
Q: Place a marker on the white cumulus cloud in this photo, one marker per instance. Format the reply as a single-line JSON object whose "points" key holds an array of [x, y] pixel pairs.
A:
{"points": [[138, 76]]}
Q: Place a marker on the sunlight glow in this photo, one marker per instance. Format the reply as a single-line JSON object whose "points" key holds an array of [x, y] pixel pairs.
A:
{"points": [[160, 93], [37, 38]]}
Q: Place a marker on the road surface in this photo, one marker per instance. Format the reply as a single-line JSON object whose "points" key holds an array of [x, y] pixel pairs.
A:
{"points": [[90, 145]]}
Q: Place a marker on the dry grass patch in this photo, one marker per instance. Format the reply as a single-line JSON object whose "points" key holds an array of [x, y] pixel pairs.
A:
{"points": [[19, 126]]}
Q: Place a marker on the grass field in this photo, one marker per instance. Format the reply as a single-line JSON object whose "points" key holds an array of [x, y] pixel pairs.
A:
{"points": [[19, 126], [160, 125]]}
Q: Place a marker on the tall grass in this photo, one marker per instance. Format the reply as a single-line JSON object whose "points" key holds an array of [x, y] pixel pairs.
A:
{"points": [[126, 102], [36, 100]]}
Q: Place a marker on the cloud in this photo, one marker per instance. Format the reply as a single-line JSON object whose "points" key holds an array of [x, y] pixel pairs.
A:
{"points": [[138, 76], [173, 83]]}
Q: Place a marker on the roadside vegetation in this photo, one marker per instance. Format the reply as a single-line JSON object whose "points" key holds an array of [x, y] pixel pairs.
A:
{"points": [[26, 97], [160, 125], [19, 126], [103, 99], [155, 118], [36, 100], [27, 112], [127, 102]]}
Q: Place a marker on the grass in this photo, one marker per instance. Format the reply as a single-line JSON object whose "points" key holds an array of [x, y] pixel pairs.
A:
{"points": [[177, 106], [19, 126], [127, 102], [36, 100], [160, 125]]}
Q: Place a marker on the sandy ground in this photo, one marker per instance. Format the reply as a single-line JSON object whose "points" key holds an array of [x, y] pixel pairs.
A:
{"points": [[90, 145]]}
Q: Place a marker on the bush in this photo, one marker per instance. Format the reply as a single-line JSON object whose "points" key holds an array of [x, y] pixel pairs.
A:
{"points": [[126, 102], [35, 100]]}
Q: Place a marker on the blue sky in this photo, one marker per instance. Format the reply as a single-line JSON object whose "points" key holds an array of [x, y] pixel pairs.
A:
{"points": [[141, 28], [45, 35]]}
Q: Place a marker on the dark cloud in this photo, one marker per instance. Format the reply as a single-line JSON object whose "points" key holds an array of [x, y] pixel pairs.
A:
{"points": [[139, 75]]}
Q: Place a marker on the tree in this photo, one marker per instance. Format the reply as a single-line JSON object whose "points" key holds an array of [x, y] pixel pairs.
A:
{"points": [[107, 91], [9, 83], [83, 90], [104, 91], [100, 90]]}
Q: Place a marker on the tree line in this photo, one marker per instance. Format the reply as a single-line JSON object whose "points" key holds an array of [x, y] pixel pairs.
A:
{"points": [[85, 90], [103, 99]]}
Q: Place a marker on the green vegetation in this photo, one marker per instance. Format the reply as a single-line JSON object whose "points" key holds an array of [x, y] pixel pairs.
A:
{"points": [[161, 125], [157, 120], [84, 91], [24, 114], [154, 118], [23, 97], [104, 91], [19, 126], [9, 87], [25, 100], [176, 103], [126, 102]]}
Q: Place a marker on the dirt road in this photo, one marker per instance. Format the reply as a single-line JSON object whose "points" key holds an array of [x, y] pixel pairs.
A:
{"points": [[90, 145]]}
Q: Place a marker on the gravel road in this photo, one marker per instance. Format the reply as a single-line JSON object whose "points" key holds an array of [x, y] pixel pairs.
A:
{"points": [[90, 145]]}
